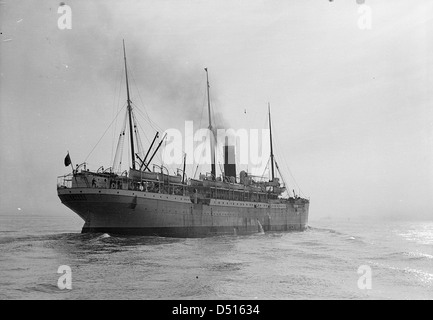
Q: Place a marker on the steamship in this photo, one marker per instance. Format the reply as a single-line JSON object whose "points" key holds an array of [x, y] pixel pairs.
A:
{"points": [[148, 200]]}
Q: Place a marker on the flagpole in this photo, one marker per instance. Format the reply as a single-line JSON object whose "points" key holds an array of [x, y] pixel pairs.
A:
{"points": [[71, 163]]}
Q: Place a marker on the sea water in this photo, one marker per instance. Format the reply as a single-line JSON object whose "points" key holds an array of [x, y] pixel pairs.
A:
{"points": [[333, 259]]}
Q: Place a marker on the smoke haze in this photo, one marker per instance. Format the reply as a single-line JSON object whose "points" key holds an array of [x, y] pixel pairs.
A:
{"points": [[351, 108]]}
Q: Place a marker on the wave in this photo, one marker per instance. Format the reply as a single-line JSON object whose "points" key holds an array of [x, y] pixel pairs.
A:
{"points": [[85, 238], [423, 276], [346, 236], [419, 255], [332, 231], [227, 266], [99, 237], [403, 256], [421, 233], [41, 288], [36, 238], [134, 240]]}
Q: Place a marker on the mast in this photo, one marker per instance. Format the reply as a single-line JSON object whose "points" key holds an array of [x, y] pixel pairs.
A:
{"points": [[129, 110], [212, 148], [183, 171], [270, 134]]}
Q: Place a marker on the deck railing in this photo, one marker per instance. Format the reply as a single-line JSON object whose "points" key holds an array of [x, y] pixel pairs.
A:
{"points": [[64, 181]]}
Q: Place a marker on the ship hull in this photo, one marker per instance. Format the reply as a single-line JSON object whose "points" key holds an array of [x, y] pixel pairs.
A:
{"points": [[140, 213]]}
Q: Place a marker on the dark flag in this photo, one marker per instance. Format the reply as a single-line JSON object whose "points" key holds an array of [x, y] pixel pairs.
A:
{"points": [[67, 160]]}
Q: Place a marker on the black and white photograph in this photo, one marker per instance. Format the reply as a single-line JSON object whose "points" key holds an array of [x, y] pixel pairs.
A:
{"points": [[216, 155]]}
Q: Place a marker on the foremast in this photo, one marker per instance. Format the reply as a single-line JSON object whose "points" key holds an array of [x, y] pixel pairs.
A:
{"points": [[212, 136], [129, 110]]}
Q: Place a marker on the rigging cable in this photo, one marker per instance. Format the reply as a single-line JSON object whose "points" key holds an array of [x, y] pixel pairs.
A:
{"points": [[282, 178], [119, 150], [103, 134], [117, 89], [145, 114], [264, 170], [137, 136], [290, 172]]}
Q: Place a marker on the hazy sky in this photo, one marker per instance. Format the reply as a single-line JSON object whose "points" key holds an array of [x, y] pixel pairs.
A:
{"points": [[352, 108]]}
